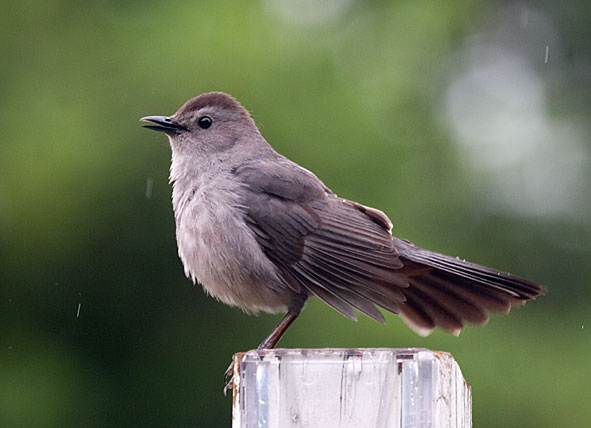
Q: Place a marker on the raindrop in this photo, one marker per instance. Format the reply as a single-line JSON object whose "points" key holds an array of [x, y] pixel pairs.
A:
{"points": [[78, 311], [546, 55], [149, 184]]}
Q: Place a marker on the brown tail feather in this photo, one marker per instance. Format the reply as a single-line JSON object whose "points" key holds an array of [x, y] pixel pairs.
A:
{"points": [[445, 291]]}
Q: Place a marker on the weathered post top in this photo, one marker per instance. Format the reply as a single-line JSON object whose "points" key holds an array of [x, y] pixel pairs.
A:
{"points": [[346, 388]]}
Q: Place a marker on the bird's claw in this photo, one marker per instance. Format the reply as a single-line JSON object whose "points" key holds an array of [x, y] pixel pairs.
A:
{"points": [[229, 377]]}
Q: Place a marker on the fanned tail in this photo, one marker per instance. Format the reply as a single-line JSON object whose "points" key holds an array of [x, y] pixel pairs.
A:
{"points": [[446, 291]]}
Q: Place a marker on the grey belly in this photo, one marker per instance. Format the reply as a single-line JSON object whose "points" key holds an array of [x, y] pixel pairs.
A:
{"points": [[219, 251]]}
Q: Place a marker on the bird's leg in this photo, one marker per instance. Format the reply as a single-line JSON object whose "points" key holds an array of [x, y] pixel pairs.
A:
{"points": [[271, 341]]}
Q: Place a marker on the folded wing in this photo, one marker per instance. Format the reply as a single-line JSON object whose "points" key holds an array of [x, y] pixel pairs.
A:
{"points": [[343, 253]]}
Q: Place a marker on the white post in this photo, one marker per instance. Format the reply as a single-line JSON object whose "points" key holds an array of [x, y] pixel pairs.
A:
{"points": [[346, 388]]}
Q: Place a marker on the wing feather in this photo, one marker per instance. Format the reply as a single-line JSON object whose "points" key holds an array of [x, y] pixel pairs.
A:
{"points": [[343, 253]]}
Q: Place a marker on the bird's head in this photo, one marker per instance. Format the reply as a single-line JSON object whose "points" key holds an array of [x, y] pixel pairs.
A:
{"points": [[209, 123]]}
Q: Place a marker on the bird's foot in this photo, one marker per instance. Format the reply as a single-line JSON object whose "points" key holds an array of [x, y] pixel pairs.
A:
{"points": [[229, 377]]}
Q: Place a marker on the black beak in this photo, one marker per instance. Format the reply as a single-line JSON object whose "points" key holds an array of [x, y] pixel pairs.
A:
{"points": [[163, 124]]}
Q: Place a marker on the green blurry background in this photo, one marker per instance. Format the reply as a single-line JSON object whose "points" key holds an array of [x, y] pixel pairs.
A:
{"points": [[467, 122]]}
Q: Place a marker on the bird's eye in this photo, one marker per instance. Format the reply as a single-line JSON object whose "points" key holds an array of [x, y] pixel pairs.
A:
{"points": [[205, 122]]}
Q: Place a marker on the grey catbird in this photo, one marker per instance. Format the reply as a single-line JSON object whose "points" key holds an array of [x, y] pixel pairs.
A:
{"points": [[262, 233]]}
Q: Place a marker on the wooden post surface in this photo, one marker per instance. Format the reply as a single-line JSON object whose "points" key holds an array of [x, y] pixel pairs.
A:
{"points": [[349, 388]]}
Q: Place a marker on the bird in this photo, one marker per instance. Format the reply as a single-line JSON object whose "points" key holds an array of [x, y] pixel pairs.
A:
{"points": [[262, 233]]}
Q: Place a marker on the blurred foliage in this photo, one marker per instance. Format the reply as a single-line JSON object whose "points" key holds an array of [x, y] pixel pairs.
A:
{"points": [[99, 327]]}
